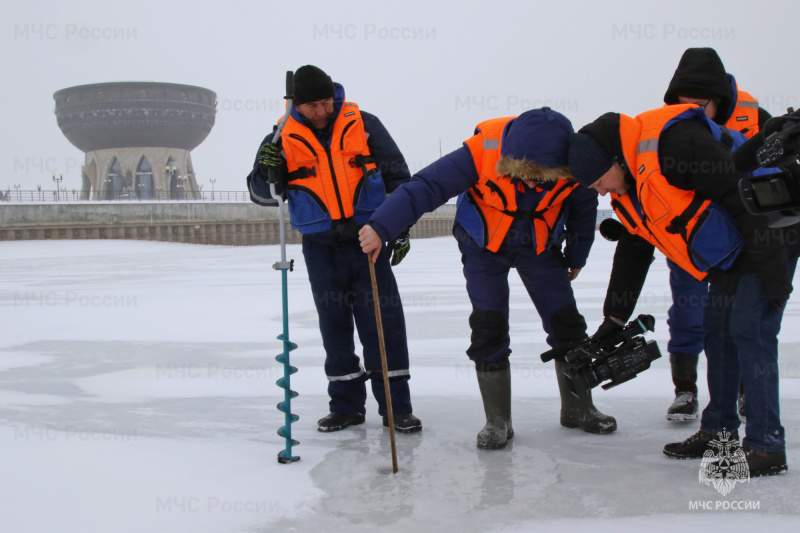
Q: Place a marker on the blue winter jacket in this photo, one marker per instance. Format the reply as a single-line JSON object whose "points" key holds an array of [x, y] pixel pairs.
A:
{"points": [[454, 174]]}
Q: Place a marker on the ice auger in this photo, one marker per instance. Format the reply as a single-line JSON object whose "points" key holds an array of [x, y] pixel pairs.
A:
{"points": [[285, 456]]}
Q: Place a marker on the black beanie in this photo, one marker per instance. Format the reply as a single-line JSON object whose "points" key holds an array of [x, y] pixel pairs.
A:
{"points": [[588, 160], [312, 84]]}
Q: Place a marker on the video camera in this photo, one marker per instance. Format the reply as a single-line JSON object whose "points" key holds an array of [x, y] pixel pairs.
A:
{"points": [[776, 195], [617, 357]]}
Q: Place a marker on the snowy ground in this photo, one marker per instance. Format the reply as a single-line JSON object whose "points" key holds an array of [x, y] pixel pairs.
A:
{"points": [[137, 394]]}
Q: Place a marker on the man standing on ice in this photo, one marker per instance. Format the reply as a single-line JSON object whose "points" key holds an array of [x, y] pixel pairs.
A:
{"points": [[700, 79], [517, 205], [336, 164]]}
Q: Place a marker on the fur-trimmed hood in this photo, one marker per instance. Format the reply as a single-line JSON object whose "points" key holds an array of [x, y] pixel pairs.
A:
{"points": [[530, 170], [535, 146]]}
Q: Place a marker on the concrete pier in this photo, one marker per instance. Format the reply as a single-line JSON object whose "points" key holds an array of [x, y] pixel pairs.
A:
{"points": [[232, 224]]}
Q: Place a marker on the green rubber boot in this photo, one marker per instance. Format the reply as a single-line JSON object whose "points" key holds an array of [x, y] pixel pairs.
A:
{"points": [[496, 393]]}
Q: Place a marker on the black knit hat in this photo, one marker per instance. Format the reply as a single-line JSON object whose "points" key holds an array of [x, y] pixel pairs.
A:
{"points": [[312, 84], [595, 148], [588, 160]]}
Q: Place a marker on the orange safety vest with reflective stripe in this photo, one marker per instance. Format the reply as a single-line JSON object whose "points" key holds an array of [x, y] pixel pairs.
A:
{"points": [[745, 116], [330, 183], [494, 197], [669, 215]]}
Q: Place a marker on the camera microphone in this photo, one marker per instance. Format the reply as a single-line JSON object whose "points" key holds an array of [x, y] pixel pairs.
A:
{"points": [[611, 230]]}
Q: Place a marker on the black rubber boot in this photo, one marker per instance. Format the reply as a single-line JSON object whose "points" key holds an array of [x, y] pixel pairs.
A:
{"points": [[581, 412], [684, 376], [495, 389]]}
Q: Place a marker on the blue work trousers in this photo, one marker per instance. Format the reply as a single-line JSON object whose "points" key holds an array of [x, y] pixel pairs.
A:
{"points": [[342, 288], [685, 318], [546, 282]]}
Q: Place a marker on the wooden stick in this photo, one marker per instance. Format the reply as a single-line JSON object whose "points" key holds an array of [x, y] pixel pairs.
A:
{"points": [[376, 300]]}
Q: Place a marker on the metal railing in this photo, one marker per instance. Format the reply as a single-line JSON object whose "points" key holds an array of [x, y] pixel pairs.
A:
{"points": [[65, 196], [43, 196]]}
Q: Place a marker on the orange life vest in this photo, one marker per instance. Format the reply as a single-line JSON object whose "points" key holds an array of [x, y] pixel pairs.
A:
{"points": [[667, 217], [745, 116], [493, 198], [335, 183]]}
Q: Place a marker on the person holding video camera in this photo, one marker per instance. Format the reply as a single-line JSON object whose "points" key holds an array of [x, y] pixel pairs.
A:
{"points": [[701, 79], [517, 207], [673, 186]]}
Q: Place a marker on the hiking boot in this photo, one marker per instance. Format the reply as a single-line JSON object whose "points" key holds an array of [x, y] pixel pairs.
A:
{"points": [[765, 463], [495, 387], [338, 421], [581, 412], [695, 446], [684, 407], [405, 423]]}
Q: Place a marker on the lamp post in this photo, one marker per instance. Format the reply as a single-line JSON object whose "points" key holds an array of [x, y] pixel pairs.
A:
{"points": [[57, 181], [213, 181], [171, 170], [19, 194]]}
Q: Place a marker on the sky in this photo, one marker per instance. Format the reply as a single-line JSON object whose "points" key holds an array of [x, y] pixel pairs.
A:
{"points": [[430, 70], [137, 394]]}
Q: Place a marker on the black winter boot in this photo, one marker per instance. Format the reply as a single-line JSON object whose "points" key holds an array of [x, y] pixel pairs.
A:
{"points": [[684, 376], [405, 423], [496, 393], [695, 446], [765, 463], [581, 412], [338, 421], [685, 407]]}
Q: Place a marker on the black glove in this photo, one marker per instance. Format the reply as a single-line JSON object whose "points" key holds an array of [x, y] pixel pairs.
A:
{"points": [[400, 247], [269, 156], [608, 327]]}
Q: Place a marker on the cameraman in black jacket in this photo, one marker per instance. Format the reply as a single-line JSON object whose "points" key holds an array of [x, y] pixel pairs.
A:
{"points": [[743, 313]]}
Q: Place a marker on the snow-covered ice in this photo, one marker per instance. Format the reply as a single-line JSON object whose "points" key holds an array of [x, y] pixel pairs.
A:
{"points": [[137, 393]]}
